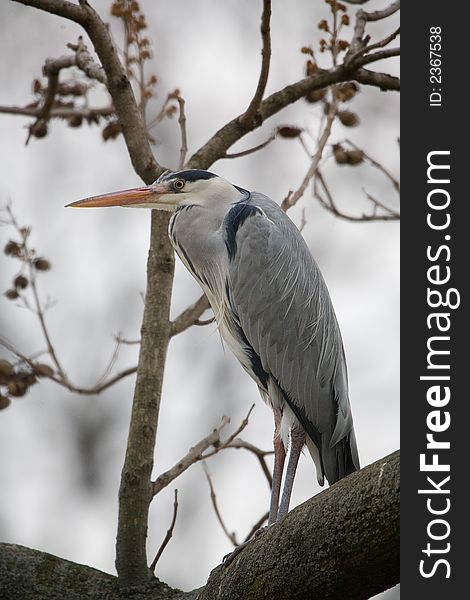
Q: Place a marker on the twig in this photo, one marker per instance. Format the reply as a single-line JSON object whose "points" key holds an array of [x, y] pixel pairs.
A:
{"points": [[359, 43], [194, 455], [383, 42], [231, 536], [85, 62], [330, 205], [217, 145], [381, 55], [168, 535], [293, 197], [198, 452], [190, 316], [64, 381], [271, 138], [260, 455], [51, 70], [254, 105], [124, 341], [184, 135], [230, 439], [378, 165]]}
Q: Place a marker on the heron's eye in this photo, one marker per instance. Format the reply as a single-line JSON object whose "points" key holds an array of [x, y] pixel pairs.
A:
{"points": [[179, 184]]}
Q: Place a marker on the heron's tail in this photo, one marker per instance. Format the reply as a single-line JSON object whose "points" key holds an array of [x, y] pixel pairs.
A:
{"points": [[340, 460]]}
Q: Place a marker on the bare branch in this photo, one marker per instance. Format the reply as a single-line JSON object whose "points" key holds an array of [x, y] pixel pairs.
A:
{"points": [[231, 536], [230, 439], [251, 150], [329, 204], [260, 455], [190, 316], [377, 165], [68, 10], [63, 380], [168, 536], [60, 113], [293, 197], [119, 87], [184, 135], [253, 107], [194, 455], [383, 42], [84, 61], [384, 81], [358, 42], [198, 452], [381, 55]]}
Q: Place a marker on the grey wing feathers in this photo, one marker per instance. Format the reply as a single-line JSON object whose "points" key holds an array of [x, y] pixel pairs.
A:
{"points": [[286, 314]]}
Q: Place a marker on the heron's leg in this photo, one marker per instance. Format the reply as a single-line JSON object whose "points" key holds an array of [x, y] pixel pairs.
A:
{"points": [[297, 439], [279, 458]]}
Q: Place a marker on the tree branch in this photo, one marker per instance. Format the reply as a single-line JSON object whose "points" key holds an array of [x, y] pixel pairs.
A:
{"points": [[383, 81], [169, 534], [252, 109], [184, 134], [59, 113], [190, 316], [292, 198], [195, 454], [216, 147], [346, 542], [309, 556], [118, 84]]}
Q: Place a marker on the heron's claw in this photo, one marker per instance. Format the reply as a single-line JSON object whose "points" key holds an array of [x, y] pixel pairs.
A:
{"points": [[229, 558]]}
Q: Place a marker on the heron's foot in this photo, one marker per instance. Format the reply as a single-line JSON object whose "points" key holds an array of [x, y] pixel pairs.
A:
{"points": [[229, 558]]}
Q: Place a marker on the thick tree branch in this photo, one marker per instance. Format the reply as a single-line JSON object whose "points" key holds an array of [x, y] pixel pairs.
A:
{"points": [[342, 544]]}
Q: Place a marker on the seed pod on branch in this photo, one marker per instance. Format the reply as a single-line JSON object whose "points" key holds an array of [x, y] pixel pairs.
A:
{"points": [[12, 248], [348, 118], [315, 96], [11, 294], [355, 157], [20, 282], [289, 131], [43, 370], [347, 91], [340, 154], [41, 264], [17, 388]]}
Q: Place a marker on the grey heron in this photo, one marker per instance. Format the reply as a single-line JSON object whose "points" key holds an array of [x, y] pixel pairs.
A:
{"points": [[272, 308]]}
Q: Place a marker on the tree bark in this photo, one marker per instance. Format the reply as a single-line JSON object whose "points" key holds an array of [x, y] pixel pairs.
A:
{"points": [[136, 491], [342, 544]]}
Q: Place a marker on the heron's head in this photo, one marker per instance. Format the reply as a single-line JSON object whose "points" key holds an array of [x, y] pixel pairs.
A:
{"points": [[170, 191]]}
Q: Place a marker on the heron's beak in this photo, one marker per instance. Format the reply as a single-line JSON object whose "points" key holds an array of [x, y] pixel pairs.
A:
{"points": [[143, 197]]}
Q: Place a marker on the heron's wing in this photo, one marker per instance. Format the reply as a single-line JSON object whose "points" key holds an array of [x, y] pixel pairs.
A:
{"points": [[285, 312]]}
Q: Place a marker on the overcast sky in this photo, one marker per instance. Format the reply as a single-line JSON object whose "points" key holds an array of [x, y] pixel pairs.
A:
{"points": [[62, 453]]}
